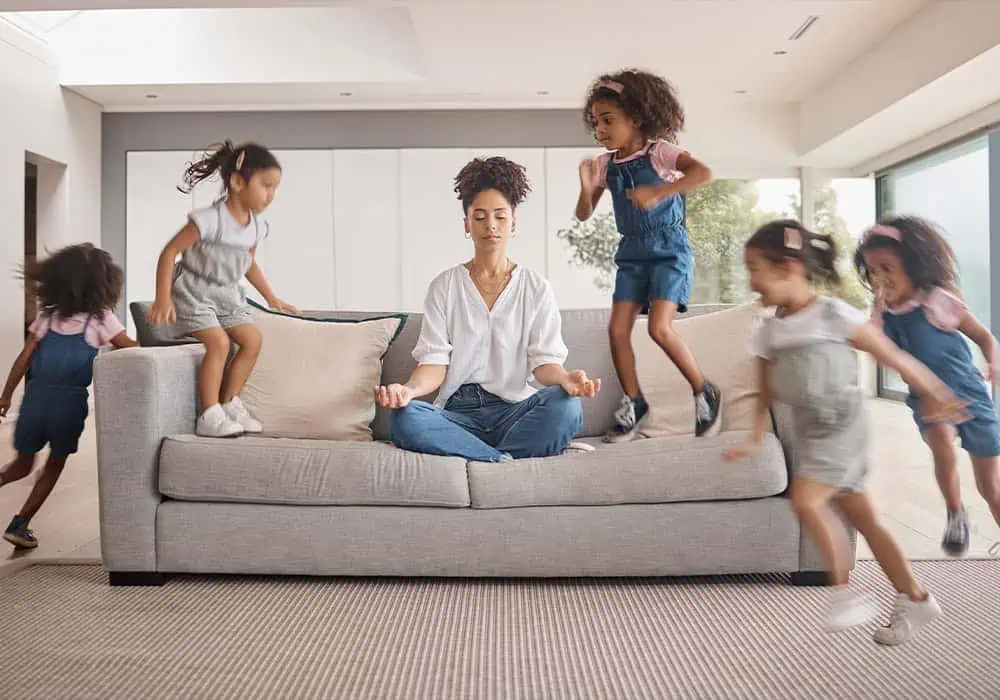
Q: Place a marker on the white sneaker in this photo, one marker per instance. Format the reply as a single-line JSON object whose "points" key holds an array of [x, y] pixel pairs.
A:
{"points": [[907, 618], [214, 423], [575, 447], [849, 609], [238, 413]]}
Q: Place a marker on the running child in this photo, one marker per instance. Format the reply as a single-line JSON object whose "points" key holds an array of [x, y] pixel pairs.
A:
{"points": [[912, 270], [78, 288], [636, 117]]}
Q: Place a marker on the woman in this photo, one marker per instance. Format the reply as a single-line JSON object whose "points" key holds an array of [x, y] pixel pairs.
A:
{"points": [[489, 327]]}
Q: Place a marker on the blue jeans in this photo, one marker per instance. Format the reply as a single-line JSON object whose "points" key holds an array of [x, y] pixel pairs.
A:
{"points": [[482, 427]]}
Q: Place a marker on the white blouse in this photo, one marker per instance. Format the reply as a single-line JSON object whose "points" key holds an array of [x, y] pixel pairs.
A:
{"points": [[499, 348]]}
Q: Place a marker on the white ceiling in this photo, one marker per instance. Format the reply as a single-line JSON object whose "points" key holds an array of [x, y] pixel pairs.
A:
{"points": [[498, 53]]}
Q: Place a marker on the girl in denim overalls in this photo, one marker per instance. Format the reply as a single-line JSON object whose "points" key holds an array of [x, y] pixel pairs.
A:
{"points": [[636, 117], [912, 269], [201, 294], [806, 360], [78, 288]]}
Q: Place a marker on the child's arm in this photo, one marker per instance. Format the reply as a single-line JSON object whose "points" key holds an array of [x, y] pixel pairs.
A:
{"points": [[694, 174], [981, 336], [162, 310], [591, 188], [123, 341], [255, 276], [17, 372], [943, 404], [762, 415]]}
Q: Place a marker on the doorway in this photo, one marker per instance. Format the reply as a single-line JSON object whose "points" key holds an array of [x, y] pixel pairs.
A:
{"points": [[30, 240]]}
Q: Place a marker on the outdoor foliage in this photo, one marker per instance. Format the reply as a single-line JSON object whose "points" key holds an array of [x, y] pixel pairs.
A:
{"points": [[720, 218]]}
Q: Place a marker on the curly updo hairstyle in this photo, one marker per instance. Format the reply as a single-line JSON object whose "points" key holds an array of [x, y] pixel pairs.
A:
{"points": [[494, 173], [647, 99]]}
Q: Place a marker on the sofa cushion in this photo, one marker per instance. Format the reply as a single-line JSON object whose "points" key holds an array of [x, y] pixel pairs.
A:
{"points": [[315, 377], [308, 472], [661, 470], [720, 342]]}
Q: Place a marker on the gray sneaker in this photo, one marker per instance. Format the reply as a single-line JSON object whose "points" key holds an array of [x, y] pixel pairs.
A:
{"points": [[627, 419], [955, 541], [18, 534], [708, 410]]}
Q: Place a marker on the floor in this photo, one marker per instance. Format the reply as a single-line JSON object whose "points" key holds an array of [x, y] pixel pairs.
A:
{"points": [[902, 485]]}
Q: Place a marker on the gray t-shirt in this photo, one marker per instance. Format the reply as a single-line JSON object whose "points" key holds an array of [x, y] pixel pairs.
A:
{"points": [[826, 320], [216, 223]]}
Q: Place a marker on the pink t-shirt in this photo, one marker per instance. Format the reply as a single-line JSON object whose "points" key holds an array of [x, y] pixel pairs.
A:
{"points": [[100, 331], [943, 309], [662, 156]]}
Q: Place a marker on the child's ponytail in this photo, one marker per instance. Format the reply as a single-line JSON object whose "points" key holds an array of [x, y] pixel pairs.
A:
{"points": [[226, 160], [822, 260]]}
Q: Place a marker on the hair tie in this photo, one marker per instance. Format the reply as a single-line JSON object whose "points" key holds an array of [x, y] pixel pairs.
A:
{"points": [[239, 160], [793, 238], [612, 85]]}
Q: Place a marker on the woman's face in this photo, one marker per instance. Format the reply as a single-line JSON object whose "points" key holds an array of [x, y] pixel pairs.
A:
{"points": [[489, 220]]}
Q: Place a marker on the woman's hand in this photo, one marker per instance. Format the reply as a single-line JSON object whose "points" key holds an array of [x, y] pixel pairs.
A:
{"points": [[577, 383], [279, 305], [162, 311], [393, 396], [747, 449]]}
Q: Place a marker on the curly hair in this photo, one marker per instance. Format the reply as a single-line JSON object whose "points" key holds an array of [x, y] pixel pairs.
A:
{"points": [[787, 239], [228, 160], [647, 99], [78, 279], [927, 258], [495, 173]]}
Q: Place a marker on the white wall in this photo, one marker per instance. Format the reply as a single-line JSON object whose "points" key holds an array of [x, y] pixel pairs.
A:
{"points": [[365, 229], [40, 118]]}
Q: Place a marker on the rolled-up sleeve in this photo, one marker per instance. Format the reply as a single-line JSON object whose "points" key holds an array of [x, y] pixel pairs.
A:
{"points": [[433, 346], [545, 341]]}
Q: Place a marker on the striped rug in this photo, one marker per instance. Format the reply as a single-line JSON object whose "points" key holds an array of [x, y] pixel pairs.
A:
{"points": [[66, 634]]}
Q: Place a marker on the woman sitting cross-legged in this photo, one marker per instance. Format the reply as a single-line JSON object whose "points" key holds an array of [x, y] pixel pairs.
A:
{"points": [[489, 327]]}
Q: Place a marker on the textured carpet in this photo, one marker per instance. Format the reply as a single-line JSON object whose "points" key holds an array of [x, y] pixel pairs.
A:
{"points": [[66, 634]]}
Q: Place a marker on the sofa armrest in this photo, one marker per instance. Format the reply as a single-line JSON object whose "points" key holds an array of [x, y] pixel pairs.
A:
{"points": [[141, 396]]}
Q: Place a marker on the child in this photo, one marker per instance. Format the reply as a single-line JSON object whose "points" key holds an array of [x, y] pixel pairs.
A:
{"points": [[202, 294], [636, 117], [912, 270], [806, 359], [77, 288]]}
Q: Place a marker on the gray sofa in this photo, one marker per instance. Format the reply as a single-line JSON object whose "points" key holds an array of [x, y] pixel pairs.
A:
{"points": [[173, 503]]}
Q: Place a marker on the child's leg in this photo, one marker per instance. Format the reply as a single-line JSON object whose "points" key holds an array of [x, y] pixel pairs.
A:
{"points": [[623, 315], [915, 607], [213, 365], [213, 421], [987, 471], [857, 508], [940, 438], [18, 469], [661, 330], [247, 338], [811, 502], [43, 487]]}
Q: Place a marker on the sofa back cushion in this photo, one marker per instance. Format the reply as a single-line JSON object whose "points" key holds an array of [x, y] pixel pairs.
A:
{"points": [[315, 378]]}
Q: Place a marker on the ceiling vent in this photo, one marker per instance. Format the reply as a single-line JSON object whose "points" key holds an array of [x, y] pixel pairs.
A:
{"points": [[806, 26]]}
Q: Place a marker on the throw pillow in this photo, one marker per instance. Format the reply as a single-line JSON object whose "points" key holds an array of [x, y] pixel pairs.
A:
{"points": [[314, 378], [720, 343]]}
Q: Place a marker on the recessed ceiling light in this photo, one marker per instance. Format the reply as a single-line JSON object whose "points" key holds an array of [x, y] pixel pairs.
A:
{"points": [[543, 93], [152, 96], [782, 52], [741, 92], [346, 94]]}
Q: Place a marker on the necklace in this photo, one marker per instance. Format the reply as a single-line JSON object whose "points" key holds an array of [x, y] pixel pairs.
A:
{"points": [[499, 286]]}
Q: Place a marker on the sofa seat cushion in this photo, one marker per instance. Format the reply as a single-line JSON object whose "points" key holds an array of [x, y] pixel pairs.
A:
{"points": [[657, 470], [308, 472]]}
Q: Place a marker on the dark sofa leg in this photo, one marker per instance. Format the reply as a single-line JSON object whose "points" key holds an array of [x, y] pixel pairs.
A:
{"points": [[136, 578], [810, 578]]}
